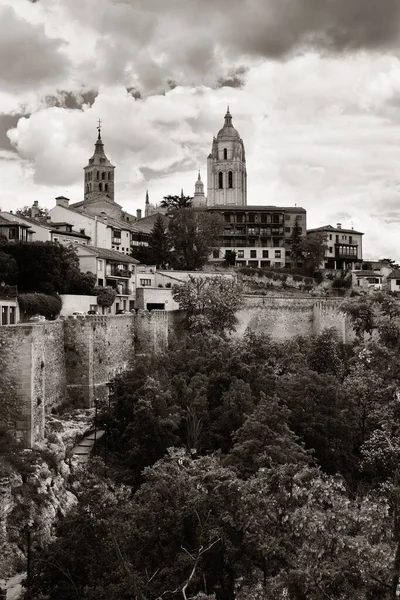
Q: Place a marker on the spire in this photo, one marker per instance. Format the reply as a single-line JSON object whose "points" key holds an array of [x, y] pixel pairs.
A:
{"points": [[228, 118], [99, 146], [199, 178], [147, 197], [182, 193], [199, 197]]}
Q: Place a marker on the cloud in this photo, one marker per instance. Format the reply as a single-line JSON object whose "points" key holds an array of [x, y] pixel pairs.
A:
{"points": [[27, 56]]}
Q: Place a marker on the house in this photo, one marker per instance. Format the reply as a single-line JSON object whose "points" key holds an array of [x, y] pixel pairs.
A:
{"points": [[113, 269], [9, 308], [14, 231], [367, 280], [344, 249], [393, 281]]}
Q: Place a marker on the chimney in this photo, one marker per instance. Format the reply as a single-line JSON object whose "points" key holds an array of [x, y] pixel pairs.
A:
{"points": [[35, 210], [62, 201], [138, 213], [338, 226]]}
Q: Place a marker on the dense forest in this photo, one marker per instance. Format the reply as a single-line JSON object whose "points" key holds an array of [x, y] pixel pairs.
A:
{"points": [[248, 469]]}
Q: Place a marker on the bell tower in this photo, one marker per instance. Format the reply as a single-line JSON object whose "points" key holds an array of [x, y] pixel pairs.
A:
{"points": [[99, 173], [226, 168]]}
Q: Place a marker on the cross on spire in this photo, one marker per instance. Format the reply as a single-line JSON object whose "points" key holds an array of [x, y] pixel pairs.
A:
{"points": [[99, 127]]}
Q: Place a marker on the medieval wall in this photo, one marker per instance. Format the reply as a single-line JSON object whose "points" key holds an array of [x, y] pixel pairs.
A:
{"points": [[32, 376], [283, 317]]}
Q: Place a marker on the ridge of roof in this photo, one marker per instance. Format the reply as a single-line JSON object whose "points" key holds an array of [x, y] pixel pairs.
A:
{"points": [[110, 254]]}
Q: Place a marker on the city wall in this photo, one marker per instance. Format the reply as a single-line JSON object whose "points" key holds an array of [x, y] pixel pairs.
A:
{"points": [[283, 318], [44, 365]]}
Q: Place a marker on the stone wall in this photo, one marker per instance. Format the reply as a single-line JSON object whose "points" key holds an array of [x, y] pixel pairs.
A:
{"points": [[32, 377], [283, 317]]}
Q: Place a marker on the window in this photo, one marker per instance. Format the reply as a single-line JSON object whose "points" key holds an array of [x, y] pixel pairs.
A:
{"points": [[253, 264], [109, 176], [287, 217], [12, 233], [145, 282], [276, 219], [330, 249], [299, 217], [253, 253], [99, 264], [265, 263], [287, 229], [100, 187], [397, 281], [230, 179], [220, 180], [103, 176], [240, 253], [265, 218], [239, 218], [252, 218], [215, 253], [350, 239], [55, 239], [106, 187], [227, 218], [265, 254], [277, 264], [98, 175], [330, 236], [278, 254], [225, 154]]}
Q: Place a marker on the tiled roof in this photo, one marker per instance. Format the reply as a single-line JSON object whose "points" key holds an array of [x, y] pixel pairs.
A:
{"points": [[394, 274], [4, 221], [109, 254], [254, 207], [71, 233], [334, 229], [146, 225]]}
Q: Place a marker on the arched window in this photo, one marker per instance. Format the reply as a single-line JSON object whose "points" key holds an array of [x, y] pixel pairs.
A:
{"points": [[87, 187], [106, 187], [109, 176], [225, 154], [98, 174], [220, 180], [100, 187], [230, 179], [103, 176]]}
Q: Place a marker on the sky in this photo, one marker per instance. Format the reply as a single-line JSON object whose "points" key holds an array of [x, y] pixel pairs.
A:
{"points": [[313, 87]]}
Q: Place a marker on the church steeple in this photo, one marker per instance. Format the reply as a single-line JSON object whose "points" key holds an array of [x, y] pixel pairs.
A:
{"points": [[226, 167], [99, 173], [199, 198]]}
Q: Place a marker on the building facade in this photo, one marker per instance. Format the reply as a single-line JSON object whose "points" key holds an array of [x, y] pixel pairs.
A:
{"points": [[344, 247]]}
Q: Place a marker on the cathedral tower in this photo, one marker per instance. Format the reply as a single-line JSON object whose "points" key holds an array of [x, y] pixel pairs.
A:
{"points": [[99, 173], [226, 168], [199, 198]]}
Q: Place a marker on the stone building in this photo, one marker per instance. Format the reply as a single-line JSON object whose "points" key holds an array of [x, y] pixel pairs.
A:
{"points": [[344, 247], [226, 168]]}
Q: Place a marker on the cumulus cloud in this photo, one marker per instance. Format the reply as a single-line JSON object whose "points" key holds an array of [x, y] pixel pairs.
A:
{"points": [[27, 56]]}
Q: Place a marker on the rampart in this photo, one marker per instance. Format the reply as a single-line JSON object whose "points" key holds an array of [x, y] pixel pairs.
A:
{"points": [[283, 317], [45, 364]]}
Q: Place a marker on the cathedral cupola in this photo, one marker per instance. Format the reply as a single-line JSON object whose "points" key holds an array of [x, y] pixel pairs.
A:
{"points": [[199, 198], [99, 172], [226, 167]]}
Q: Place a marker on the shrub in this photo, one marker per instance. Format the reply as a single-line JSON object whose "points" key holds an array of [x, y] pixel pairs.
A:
{"points": [[106, 296], [341, 283], [40, 304], [318, 277]]}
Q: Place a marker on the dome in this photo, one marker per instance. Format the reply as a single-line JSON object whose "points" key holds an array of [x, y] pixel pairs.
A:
{"points": [[228, 131]]}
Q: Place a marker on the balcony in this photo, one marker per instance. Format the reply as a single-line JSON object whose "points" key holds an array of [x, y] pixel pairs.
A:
{"points": [[122, 288], [117, 272], [346, 251], [116, 241]]}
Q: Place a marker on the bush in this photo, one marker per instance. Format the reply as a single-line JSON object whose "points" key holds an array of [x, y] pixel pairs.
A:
{"points": [[106, 296], [40, 304], [341, 283], [318, 277]]}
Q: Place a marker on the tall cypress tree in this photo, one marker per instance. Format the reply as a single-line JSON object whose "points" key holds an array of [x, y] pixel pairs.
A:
{"points": [[159, 243]]}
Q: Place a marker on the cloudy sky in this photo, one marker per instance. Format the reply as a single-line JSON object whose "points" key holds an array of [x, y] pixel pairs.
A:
{"points": [[313, 87]]}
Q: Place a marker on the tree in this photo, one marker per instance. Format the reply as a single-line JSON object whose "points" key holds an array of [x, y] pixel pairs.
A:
{"points": [[210, 303], [313, 248], [193, 235], [8, 269], [160, 243], [83, 284], [44, 266], [230, 258], [295, 242], [106, 296], [26, 211], [176, 202]]}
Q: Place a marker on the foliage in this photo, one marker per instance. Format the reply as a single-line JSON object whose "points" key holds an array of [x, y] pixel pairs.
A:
{"points": [[40, 304], [8, 269], [230, 258], [26, 211], [295, 241], [160, 244], [210, 303], [176, 202], [193, 235], [83, 284], [342, 283], [313, 248], [44, 266], [106, 296]]}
